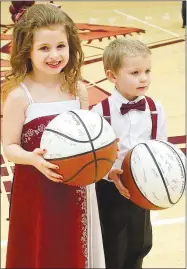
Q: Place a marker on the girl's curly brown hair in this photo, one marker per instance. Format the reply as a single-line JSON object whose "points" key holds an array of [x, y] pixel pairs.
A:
{"points": [[35, 17]]}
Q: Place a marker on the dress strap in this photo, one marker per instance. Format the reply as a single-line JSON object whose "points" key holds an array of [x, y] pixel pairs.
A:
{"points": [[27, 93]]}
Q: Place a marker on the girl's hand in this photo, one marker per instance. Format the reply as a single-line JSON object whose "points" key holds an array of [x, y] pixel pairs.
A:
{"points": [[44, 166]]}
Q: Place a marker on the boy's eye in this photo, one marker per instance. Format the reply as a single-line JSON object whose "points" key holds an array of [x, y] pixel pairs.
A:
{"points": [[135, 73], [148, 71]]}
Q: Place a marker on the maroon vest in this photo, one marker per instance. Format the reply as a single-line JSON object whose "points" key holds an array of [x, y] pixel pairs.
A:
{"points": [[152, 107]]}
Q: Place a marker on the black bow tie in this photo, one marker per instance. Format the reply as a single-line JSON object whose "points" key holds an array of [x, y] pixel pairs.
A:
{"points": [[140, 105]]}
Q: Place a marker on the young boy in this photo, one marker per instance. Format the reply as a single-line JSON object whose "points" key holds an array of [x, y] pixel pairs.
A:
{"points": [[126, 228]]}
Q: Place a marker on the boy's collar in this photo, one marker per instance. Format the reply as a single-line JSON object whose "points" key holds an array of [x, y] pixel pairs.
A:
{"points": [[120, 99]]}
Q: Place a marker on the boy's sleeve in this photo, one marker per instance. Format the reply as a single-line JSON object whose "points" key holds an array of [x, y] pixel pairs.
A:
{"points": [[99, 109], [162, 123]]}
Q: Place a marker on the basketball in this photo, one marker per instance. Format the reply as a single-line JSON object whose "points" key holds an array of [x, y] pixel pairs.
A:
{"points": [[154, 173], [82, 144]]}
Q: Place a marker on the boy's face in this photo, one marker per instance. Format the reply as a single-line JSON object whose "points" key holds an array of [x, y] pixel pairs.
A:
{"points": [[50, 50], [133, 79]]}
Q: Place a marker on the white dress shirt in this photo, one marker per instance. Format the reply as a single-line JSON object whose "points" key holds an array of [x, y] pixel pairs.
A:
{"points": [[133, 127]]}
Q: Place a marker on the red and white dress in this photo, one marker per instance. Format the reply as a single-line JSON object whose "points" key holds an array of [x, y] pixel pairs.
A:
{"points": [[52, 225]]}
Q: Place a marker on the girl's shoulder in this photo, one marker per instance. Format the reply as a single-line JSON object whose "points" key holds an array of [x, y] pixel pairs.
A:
{"points": [[17, 96], [82, 94], [81, 88]]}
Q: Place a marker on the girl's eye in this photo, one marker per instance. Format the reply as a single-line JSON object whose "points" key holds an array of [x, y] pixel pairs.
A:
{"points": [[45, 48], [61, 46], [148, 71]]}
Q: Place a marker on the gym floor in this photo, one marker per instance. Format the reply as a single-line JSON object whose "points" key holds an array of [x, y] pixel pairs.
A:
{"points": [[159, 25]]}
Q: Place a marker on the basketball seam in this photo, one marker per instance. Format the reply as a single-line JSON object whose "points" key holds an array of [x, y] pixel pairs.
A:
{"points": [[90, 140], [81, 154], [135, 180], [160, 172], [100, 159], [182, 166], [73, 139]]}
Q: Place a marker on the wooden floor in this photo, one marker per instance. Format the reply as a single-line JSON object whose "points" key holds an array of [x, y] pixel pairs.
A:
{"points": [[158, 24]]}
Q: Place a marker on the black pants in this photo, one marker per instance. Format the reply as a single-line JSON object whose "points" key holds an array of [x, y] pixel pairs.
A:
{"points": [[126, 228], [184, 12]]}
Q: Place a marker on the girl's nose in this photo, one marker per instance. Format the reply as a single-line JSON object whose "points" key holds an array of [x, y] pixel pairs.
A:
{"points": [[54, 54]]}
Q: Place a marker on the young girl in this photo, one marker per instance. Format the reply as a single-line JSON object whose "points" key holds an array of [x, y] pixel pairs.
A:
{"points": [[52, 225]]}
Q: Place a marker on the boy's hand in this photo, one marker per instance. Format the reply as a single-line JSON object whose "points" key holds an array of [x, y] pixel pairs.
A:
{"points": [[117, 140], [114, 175]]}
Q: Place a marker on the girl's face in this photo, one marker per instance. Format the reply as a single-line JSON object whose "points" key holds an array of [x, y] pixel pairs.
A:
{"points": [[50, 50]]}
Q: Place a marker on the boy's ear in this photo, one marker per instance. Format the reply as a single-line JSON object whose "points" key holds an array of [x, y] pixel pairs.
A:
{"points": [[111, 76]]}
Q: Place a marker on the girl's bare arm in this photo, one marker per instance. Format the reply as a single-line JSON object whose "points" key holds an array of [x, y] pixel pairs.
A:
{"points": [[13, 121]]}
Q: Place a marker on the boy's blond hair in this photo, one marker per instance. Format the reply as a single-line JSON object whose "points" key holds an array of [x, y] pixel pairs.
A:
{"points": [[118, 49]]}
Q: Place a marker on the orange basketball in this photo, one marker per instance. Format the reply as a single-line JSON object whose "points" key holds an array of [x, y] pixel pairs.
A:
{"points": [[82, 144], [154, 173]]}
